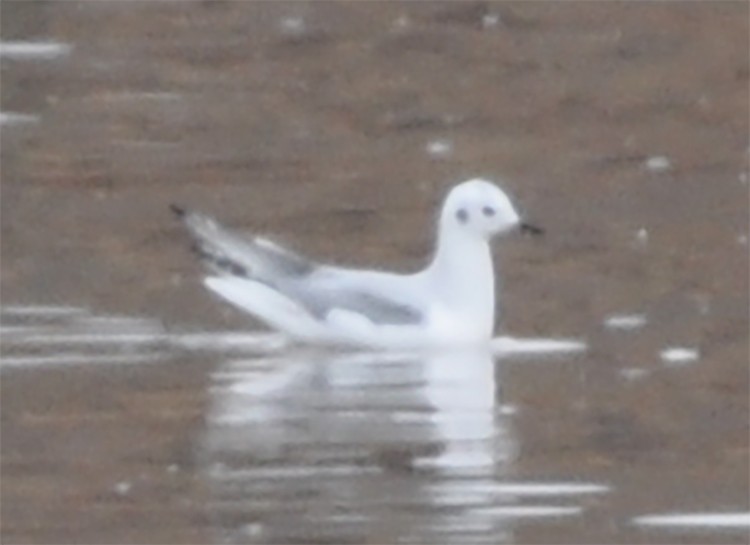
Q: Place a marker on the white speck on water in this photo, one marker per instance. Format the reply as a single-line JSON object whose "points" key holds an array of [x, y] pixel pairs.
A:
{"points": [[155, 145], [625, 321], [13, 118], [33, 50], [658, 163], [679, 355], [172, 469], [402, 23], [452, 119], [292, 26], [742, 177], [641, 236], [158, 95], [507, 410], [742, 240], [490, 20], [633, 373], [122, 488], [252, 529], [439, 148], [704, 102], [703, 302]]}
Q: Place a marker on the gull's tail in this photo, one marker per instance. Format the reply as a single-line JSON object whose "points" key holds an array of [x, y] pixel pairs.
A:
{"points": [[268, 305]]}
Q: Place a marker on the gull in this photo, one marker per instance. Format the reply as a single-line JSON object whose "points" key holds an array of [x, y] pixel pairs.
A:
{"points": [[451, 302]]}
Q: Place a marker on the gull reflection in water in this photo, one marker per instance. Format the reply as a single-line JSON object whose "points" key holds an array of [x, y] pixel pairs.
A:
{"points": [[378, 447]]}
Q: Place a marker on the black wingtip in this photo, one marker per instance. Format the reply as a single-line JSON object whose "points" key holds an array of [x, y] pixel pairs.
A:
{"points": [[178, 210]]}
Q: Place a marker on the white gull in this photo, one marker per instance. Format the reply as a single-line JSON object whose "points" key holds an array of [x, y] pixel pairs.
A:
{"points": [[451, 302]]}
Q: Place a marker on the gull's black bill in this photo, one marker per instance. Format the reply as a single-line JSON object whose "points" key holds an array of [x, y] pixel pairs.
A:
{"points": [[529, 229]]}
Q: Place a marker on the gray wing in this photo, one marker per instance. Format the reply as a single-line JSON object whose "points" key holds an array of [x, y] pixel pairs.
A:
{"points": [[318, 288], [377, 308], [229, 253]]}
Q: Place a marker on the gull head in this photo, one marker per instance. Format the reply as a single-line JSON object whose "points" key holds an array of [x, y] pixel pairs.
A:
{"points": [[480, 208]]}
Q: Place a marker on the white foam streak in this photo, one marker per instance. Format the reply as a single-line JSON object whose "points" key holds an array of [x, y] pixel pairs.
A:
{"points": [[696, 520], [77, 358], [90, 339], [41, 310], [527, 511], [23, 50], [231, 341], [625, 321], [679, 355], [527, 489], [531, 346], [15, 118]]}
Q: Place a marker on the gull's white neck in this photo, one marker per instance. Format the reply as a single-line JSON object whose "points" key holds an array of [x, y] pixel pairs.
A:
{"points": [[464, 277]]}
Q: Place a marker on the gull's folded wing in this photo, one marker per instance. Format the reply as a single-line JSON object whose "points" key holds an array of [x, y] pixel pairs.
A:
{"points": [[229, 253], [321, 300], [315, 289]]}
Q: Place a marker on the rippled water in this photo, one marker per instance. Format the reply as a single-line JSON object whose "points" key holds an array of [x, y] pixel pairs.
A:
{"points": [[346, 444], [306, 445]]}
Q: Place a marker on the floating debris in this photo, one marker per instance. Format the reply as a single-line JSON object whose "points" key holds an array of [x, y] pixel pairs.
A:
{"points": [[641, 236]]}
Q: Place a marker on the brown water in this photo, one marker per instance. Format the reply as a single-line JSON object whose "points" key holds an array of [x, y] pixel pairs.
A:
{"points": [[129, 416]]}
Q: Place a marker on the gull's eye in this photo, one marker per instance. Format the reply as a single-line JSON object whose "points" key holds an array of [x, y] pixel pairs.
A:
{"points": [[488, 211], [462, 215]]}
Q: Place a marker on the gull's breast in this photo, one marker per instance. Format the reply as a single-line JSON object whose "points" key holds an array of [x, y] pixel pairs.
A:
{"points": [[447, 326]]}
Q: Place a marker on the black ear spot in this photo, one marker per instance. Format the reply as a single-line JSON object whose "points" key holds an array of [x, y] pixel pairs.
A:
{"points": [[488, 211], [462, 215]]}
